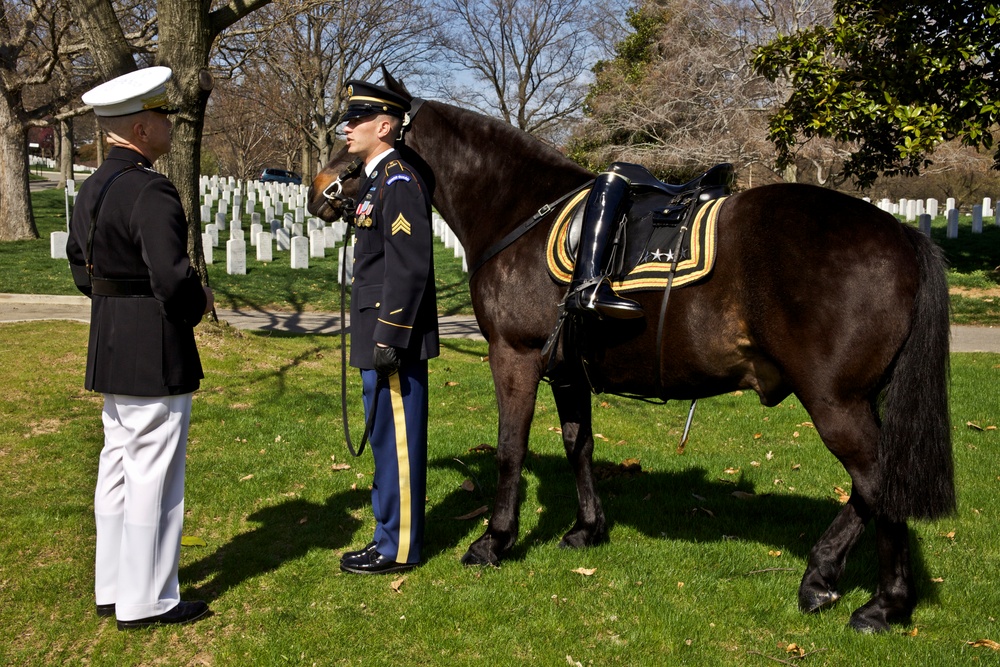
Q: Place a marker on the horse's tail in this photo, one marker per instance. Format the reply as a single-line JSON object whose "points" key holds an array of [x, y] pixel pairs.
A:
{"points": [[914, 452]]}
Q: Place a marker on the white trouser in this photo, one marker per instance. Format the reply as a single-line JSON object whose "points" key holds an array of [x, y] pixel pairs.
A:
{"points": [[139, 503]]}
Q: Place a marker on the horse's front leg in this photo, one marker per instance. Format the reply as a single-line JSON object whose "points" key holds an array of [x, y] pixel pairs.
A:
{"points": [[573, 403], [516, 375]]}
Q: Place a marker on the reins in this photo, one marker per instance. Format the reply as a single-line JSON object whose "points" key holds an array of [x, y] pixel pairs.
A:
{"points": [[333, 192]]}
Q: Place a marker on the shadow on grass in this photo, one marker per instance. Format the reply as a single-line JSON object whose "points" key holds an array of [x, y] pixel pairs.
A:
{"points": [[677, 505], [286, 532], [684, 505]]}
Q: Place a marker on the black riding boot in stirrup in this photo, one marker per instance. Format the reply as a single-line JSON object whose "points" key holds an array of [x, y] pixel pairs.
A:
{"points": [[590, 290]]}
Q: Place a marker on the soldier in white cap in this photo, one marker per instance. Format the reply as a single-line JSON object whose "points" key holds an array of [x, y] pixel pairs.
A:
{"points": [[128, 252]]}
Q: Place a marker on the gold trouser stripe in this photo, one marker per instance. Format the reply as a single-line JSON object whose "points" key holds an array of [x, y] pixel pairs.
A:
{"points": [[403, 465]]}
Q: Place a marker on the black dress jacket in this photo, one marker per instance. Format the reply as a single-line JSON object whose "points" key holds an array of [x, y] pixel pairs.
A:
{"points": [[139, 345], [392, 296]]}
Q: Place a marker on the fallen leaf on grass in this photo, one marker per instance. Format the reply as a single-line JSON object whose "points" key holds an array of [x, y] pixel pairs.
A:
{"points": [[731, 471], [473, 514], [600, 436], [451, 383], [985, 643], [937, 580], [913, 633], [192, 541], [340, 466], [796, 649], [774, 554], [973, 426], [397, 584], [743, 495], [243, 479], [842, 496], [585, 571], [556, 429], [467, 485]]}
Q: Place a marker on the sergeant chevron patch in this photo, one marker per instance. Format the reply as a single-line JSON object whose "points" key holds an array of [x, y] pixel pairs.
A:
{"points": [[401, 225]]}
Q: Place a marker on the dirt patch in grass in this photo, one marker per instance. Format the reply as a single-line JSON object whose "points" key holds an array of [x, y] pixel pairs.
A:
{"points": [[976, 292]]}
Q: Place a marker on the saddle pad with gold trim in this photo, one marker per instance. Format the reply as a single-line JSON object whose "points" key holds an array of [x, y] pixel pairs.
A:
{"points": [[648, 248]]}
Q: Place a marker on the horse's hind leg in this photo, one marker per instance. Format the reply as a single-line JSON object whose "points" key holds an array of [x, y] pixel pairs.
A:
{"points": [[852, 434], [895, 597], [573, 403], [515, 376]]}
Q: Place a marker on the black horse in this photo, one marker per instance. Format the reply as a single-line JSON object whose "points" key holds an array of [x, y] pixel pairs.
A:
{"points": [[814, 293]]}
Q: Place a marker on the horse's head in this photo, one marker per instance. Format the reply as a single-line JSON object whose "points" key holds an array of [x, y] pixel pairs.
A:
{"points": [[332, 193]]}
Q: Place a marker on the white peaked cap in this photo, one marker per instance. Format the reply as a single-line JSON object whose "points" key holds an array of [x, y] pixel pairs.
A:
{"points": [[131, 93]]}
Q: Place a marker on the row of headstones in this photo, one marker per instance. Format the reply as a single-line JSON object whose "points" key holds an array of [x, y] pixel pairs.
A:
{"points": [[917, 210], [288, 236]]}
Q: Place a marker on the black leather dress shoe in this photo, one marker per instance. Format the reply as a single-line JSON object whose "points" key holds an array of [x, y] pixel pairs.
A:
{"points": [[184, 612], [105, 610], [365, 550], [375, 563]]}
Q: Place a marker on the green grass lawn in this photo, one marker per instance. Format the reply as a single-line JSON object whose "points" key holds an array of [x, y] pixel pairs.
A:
{"points": [[692, 574], [26, 267]]}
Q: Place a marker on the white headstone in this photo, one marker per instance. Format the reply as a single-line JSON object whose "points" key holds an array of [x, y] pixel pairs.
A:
{"points": [[283, 239], [213, 231], [236, 257], [220, 221], [296, 229], [223, 206], [329, 237], [952, 232], [264, 250], [206, 213], [977, 219], [924, 222], [274, 225], [949, 204], [987, 207], [349, 251], [300, 252], [932, 207], [57, 244], [207, 244], [255, 229], [317, 243]]}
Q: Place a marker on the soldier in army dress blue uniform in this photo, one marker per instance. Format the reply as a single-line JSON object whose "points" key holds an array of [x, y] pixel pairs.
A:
{"points": [[393, 325]]}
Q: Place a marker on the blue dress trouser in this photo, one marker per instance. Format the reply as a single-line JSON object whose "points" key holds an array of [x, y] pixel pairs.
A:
{"points": [[399, 444]]}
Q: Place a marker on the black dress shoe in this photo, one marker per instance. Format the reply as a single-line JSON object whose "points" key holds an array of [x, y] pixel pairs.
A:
{"points": [[184, 612], [105, 610], [375, 563], [365, 550]]}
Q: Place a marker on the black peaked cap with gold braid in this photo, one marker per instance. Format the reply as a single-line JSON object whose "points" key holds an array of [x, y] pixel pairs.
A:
{"points": [[365, 99]]}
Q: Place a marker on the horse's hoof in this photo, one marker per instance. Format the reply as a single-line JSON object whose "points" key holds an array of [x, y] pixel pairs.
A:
{"points": [[472, 557], [869, 619], [813, 601]]}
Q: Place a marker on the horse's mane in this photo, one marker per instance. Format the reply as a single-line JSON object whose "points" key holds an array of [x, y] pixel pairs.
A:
{"points": [[472, 128]]}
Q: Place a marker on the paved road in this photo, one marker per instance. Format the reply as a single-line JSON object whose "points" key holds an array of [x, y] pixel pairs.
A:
{"points": [[27, 307]]}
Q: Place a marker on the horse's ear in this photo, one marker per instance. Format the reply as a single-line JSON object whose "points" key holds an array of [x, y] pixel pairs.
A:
{"points": [[393, 85]]}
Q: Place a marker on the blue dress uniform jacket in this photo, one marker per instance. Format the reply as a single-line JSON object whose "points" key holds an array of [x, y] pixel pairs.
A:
{"points": [[139, 345], [393, 302], [392, 297]]}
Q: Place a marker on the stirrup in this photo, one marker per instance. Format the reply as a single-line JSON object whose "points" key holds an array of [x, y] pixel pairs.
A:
{"points": [[597, 297]]}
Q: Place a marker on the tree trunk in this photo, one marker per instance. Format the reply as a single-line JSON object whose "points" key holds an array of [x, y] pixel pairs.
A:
{"points": [[17, 221], [100, 150], [185, 42], [65, 132]]}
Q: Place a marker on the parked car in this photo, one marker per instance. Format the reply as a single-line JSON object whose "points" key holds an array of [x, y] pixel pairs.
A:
{"points": [[271, 175]]}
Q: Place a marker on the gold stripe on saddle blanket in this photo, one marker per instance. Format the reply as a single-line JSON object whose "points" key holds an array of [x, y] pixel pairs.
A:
{"points": [[698, 251]]}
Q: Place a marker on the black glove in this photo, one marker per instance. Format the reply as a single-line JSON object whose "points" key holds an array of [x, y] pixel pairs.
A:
{"points": [[385, 360]]}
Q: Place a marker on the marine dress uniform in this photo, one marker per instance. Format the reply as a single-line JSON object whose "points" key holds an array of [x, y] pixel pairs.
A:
{"points": [[128, 251], [393, 302]]}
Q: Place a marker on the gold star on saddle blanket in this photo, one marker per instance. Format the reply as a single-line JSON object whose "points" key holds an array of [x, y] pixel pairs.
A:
{"points": [[644, 260]]}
